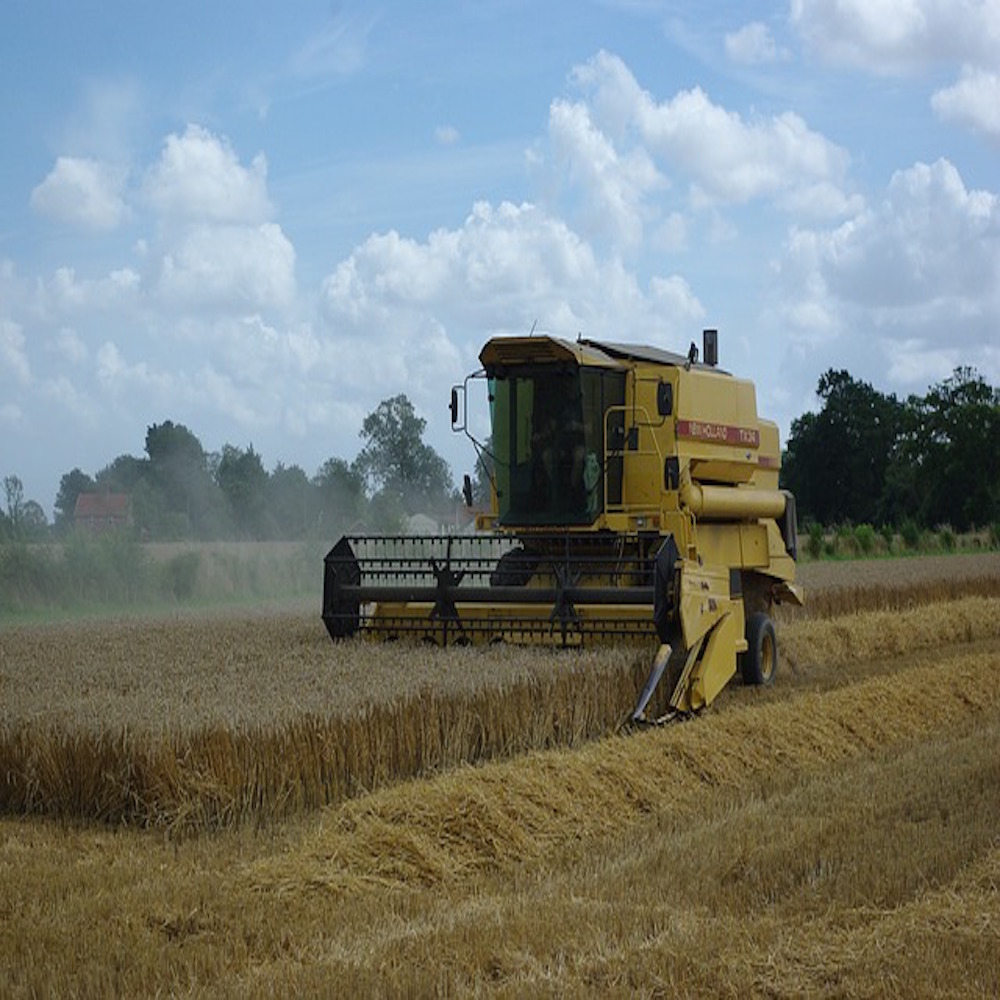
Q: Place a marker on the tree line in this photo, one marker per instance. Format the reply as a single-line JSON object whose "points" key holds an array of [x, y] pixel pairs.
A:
{"points": [[864, 458], [178, 490], [870, 458]]}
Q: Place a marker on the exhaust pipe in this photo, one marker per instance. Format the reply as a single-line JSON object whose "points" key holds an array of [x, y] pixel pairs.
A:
{"points": [[710, 347]]}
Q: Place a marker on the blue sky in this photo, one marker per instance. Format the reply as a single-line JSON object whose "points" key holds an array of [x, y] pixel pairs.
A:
{"points": [[260, 220]]}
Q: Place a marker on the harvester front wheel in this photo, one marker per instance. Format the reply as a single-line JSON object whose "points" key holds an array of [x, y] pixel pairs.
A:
{"points": [[759, 663], [514, 569]]}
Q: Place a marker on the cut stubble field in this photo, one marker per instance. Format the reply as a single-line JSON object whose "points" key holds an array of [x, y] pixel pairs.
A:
{"points": [[208, 805]]}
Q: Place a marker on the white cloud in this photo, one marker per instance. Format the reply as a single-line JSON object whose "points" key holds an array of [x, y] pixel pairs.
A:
{"points": [[446, 135], [11, 416], [931, 239], [974, 101], [401, 312], [75, 401], [821, 201], [671, 235], [82, 192], [340, 49], [917, 275], [728, 159], [231, 399], [13, 357], [261, 357], [243, 267], [140, 380], [69, 346], [898, 36], [895, 37], [914, 361], [67, 294], [674, 297], [752, 45], [613, 93], [736, 161], [613, 184], [199, 178]]}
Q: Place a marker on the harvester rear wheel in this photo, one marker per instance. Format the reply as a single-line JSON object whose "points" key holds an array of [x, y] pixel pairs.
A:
{"points": [[759, 663]]}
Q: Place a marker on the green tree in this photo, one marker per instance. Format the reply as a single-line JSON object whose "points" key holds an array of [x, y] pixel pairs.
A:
{"points": [[71, 485], [291, 501], [397, 465], [13, 490], [340, 489], [25, 521], [34, 523], [836, 460], [178, 469], [946, 469], [243, 481], [123, 474]]}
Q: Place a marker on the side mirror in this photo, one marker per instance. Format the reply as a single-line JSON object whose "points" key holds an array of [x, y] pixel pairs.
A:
{"points": [[467, 490], [665, 399], [456, 408]]}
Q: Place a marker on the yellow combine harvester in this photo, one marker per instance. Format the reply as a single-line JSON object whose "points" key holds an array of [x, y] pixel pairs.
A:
{"points": [[634, 496]]}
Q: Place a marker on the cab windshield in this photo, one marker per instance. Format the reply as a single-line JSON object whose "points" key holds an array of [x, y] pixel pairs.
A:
{"points": [[548, 442]]}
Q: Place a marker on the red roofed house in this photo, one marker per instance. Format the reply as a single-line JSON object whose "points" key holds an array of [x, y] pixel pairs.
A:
{"points": [[99, 512]]}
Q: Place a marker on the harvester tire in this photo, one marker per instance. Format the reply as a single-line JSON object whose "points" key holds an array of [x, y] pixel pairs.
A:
{"points": [[759, 663], [514, 569]]}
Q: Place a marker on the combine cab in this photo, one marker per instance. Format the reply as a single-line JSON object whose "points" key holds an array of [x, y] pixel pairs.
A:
{"points": [[635, 497]]}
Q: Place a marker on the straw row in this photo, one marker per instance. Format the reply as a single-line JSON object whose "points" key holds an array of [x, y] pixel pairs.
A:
{"points": [[476, 820]]}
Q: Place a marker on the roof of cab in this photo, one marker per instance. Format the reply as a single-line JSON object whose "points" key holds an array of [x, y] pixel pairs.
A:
{"points": [[656, 355], [501, 352]]}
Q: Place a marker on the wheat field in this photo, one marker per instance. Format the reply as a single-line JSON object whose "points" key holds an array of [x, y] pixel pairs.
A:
{"points": [[211, 806]]}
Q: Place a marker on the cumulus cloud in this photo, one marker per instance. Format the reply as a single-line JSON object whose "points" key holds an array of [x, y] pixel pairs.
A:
{"points": [[752, 45], [65, 293], [974, 101], [890, 37], [82, 192], [614, 184], [119, 377], [60, 391], [930, 240], [404, 312], [69, 346], [727, 159], [199, 178], [191, 337], [921, 271], [240, 266], [899, 36], [13, 356]]}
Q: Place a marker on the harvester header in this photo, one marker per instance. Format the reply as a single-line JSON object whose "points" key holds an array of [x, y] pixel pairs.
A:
{"points": [[634, 495]]}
